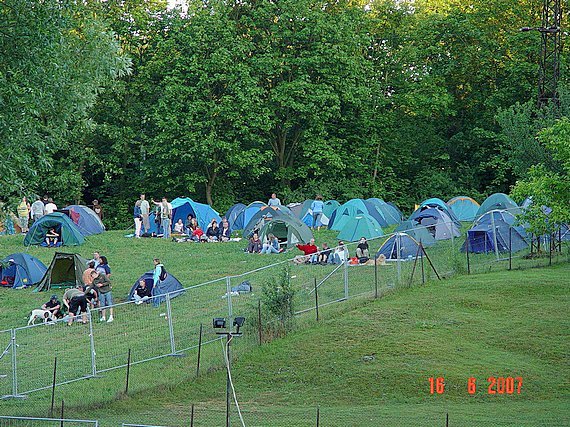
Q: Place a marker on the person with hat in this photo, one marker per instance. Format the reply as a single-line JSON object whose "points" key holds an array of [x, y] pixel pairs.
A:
{"points": [[54, 306]]}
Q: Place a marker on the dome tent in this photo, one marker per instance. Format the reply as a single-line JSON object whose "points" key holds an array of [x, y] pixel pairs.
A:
{"points": [[265, 214], [21, 270], [86, 219], [399, 246], [498, 201], [288, 229], [418, 232], [464, 208], [64, 271], [243, 218], [70, 234], [391, 215], [233, 213], [437, 222], [362, 225], [351, 209], [492, 232], [170, 285]]}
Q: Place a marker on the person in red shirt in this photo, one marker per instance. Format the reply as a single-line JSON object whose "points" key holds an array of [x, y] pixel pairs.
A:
{"points": [[308, 250]]}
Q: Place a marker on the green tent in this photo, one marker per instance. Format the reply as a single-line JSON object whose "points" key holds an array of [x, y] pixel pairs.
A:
{"points": [[362, 225], [498, 201], [69, 233], [288, 229], [65, 271]]}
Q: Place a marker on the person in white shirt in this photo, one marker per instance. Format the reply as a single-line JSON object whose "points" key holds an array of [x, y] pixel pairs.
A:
{"points": [[274, 201], [50, 207], [37, 209], [145, 212]]}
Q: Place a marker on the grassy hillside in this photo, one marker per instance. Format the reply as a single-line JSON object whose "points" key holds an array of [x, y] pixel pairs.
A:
{"points": [[369, 362]]}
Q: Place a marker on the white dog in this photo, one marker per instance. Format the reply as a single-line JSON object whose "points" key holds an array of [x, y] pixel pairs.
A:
{"points": [[41, 314]]}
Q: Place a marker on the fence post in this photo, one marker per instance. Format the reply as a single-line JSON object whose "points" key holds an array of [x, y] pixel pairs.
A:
{"points": [[53, 387], [260, 327], [551, 236], [345, 278], [318, 416], [14, 365], [316, 299], [128, 372], [192, 416], [447, 419], [199, 351], [229, 296], [467, 254], [92, 343], [375, 278], [170, 326], [510, 248], [62, 412]]}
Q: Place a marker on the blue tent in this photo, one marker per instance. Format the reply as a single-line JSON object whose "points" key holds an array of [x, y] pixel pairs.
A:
{"points": [[438, 223], [233, 212], [184, 206], [391, 215], [418, 232], [170, 286], [245, 215], [20, 270], [490, 233], [499, 201], [362, 225], [434, 202], [399, 246], [86, 219], [351, 209], [464, 208], [70, 234]]}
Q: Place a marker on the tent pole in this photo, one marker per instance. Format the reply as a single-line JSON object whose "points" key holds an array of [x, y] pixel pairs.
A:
{"points": [[398, 246], [494, 235]]}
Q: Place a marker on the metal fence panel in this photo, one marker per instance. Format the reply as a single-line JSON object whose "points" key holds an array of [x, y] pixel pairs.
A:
{"points": [[39, 345], [44, 422], [6, 363]]}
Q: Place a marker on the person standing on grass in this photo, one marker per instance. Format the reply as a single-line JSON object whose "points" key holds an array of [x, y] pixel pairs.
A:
{"points": [[137, 216], [317, 208], [98, 209], [37, 209], [103, 266], [103, 285], [165, 217], [159, 273], [23, 210], [145, 213], [51, 207]]}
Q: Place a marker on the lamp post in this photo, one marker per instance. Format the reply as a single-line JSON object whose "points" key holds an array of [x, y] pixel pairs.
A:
{"points": [[220, 323]]}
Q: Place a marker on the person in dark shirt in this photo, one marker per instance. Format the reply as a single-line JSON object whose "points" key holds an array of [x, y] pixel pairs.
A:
{"points": [[142, 292], [323, 257], [362, 249], [54, 306]]}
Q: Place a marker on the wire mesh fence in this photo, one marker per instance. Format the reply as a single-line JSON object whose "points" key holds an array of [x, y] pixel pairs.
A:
{"points": [[181, 324], [45, 422]]}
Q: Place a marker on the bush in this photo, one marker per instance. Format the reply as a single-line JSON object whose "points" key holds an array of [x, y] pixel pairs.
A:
{"points": [[277, 304]]}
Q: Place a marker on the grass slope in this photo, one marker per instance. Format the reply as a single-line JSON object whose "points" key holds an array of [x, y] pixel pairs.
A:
{"points": [[500, 324]]}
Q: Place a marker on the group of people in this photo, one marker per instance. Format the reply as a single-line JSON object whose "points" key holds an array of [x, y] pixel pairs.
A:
{"points": [[35, 211], [191, 230], [96, 292], [326, 255], [270, 246]]}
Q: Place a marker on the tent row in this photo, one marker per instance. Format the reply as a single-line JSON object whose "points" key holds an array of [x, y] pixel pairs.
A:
{"points": [[72, 224]]}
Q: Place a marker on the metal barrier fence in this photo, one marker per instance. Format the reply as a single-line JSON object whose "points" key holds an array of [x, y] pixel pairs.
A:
{"points": [[45, 422], [37, 357]]}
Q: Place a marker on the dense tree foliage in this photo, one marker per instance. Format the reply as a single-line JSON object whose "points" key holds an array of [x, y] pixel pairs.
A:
{"points": [[232, 100]]}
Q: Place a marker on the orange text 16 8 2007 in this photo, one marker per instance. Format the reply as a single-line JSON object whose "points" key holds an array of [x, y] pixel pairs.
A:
{"points": [[493, 385]]}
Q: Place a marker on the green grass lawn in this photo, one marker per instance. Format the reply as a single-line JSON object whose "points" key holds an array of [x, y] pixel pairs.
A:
{"points": [[364, 363]]}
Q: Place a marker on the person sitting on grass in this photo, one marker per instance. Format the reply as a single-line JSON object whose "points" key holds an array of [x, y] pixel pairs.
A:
{"points": [[179, 227], [224, 233], [197, 234], [212, 231], [142, 293], [340, 254], [271, 246], [190, 224], [52, 237], [323, 256], [54, 306], [362, 249], [254, 246], [308, 251]]}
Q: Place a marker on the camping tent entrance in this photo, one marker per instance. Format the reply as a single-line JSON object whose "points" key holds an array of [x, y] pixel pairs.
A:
{"points": [[65, 271]]}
